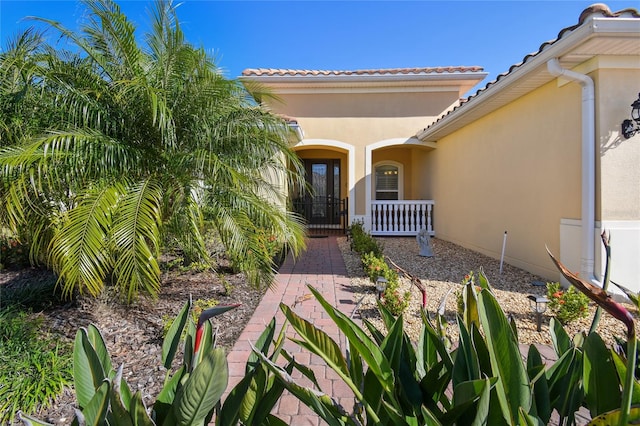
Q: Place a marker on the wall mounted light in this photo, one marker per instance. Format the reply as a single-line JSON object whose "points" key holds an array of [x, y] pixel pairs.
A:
{"points": [[631, 127], [538, 305]]}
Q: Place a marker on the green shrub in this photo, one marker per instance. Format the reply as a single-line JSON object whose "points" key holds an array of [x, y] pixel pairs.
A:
{"points": [[567, 304], [395, 301], [362, 242], [33, 368]]}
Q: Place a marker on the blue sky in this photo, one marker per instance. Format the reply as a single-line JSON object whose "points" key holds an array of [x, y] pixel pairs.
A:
{"points": [[347, 35]]}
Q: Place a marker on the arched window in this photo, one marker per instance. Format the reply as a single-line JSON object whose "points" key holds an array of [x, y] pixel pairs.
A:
{"points": [[387, 184]]}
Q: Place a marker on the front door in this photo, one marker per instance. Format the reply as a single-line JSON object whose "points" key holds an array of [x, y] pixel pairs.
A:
{"points": [[324, 179]]}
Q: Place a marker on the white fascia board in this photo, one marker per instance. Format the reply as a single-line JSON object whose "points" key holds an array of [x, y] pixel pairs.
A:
{"points": [[351, 89]]}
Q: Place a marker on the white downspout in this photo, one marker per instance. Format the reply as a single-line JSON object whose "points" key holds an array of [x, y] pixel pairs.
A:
{"points": [[588, 166]]}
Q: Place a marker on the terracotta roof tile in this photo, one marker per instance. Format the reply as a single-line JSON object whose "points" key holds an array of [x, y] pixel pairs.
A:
{"points": [[600, 8], [259, 72]]}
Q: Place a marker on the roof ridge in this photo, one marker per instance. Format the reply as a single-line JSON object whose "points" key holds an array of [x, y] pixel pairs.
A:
{"points": [[373, 71]]}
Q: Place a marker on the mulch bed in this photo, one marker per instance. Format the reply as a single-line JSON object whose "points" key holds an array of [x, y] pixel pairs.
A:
{"points": [[134, 333]]}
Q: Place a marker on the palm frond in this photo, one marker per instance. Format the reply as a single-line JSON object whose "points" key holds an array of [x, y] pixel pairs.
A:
{"points": [[136, 239], [79, 250]]}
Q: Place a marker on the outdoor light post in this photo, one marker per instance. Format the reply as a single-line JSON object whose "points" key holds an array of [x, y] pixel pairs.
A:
{"points": [[538, 305], [630, 128], [381, 286]]}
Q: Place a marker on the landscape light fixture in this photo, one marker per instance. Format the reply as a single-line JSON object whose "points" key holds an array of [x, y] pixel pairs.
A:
{"points": [[538, 305], [381, 286], [631, 127]]}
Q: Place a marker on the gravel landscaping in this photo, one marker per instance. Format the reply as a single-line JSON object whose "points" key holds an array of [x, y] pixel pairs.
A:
{"points": [[444, 272]]}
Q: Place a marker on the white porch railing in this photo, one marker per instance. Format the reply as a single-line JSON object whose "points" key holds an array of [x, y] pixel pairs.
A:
{"points": [[407, 217]]}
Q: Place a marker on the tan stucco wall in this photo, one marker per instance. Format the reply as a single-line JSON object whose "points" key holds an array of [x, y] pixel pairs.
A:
{"points": [[366, 105], [515, 170], [618, 158], [361, 132], [362, 119]]}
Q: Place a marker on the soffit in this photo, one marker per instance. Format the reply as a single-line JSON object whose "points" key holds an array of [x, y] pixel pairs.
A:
{"points": [[608, 35]]}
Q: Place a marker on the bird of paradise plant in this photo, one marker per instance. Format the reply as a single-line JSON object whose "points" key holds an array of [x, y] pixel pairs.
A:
{"points": [[189, 396], [618, 311]]}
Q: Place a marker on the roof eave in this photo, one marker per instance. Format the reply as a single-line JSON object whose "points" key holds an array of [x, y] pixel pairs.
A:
{"points": [[532, 64]]}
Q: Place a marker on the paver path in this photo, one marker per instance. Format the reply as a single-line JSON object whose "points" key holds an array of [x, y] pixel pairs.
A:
{"points": [[321, 266]]}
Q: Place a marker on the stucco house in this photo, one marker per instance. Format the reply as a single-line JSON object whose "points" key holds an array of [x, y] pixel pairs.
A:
{"points": [[537, 153]]}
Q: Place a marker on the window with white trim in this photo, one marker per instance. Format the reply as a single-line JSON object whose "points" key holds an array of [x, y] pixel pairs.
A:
{"points": [[387, 178]]}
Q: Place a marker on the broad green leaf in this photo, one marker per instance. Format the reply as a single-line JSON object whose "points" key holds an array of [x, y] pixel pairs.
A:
{"points": [[262, 344], [88, 374], [358, 339], [536, 370], [559, 337], [119, 411], [621, 368], [317, 341], [525, 419], [97, 341], [272, 420], [320, 403], [483, 281], [202, 390], [139, 411], [95, 412], [230, 412], [387, 317], [600, 379], [470, 313], [172, 339], [271, 396], [254, 394], [512, 388], [564, 378], [164, 400], [470, 400], [465, 365]]}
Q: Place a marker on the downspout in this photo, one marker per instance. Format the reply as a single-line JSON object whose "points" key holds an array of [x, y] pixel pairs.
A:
{"points": [[588, 166]]}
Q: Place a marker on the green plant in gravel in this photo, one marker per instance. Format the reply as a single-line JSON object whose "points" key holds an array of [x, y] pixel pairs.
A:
{"points": [[34, 369], [190, 394], [362, 242], [567, 305], [392, 298]]}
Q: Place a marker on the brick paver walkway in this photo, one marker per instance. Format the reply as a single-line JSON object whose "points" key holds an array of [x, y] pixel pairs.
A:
{"points": [[322, 267]]}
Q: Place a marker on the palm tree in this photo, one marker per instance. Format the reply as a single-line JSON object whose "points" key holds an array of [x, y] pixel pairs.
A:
{"points": [[154, 145]]}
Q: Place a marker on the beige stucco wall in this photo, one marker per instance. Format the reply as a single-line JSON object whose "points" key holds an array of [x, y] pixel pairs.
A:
{"points": [[515, 170], [618, 158], [363, 119]]}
